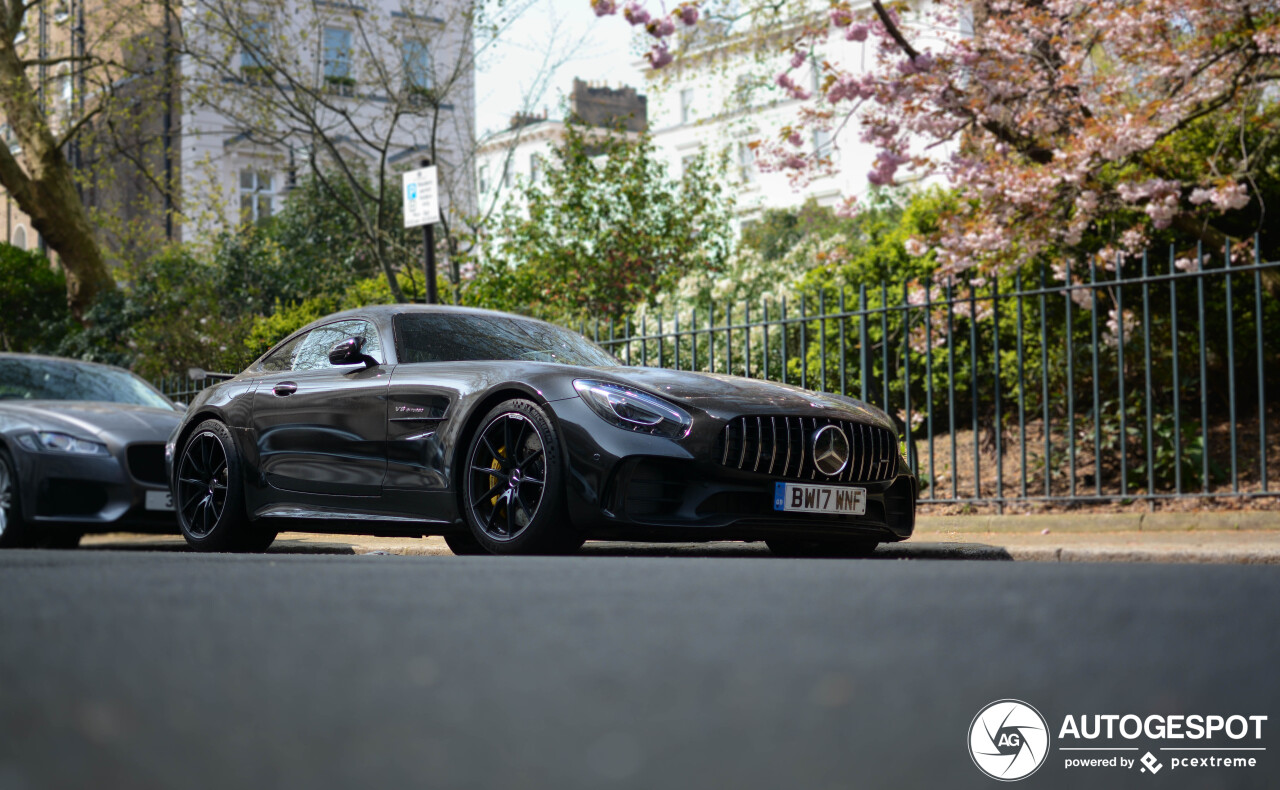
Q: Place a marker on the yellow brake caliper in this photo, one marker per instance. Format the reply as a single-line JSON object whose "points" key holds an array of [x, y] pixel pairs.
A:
{"points": [[493, 481]]}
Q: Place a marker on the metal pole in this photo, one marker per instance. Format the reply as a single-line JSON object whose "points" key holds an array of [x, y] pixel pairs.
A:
{"points": [[429, 255], [1177, 382], [1231, 366], [1262, 379]]}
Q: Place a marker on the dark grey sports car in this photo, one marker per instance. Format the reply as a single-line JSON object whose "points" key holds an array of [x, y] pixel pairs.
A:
{"points": [[81, 450], [508, 435]]}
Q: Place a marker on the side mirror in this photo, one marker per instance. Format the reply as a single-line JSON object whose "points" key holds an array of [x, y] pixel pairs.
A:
{"points": [[350, 352]]}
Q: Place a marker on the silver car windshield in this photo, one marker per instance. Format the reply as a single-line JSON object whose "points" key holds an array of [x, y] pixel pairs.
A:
{"points": [[49, 379]]}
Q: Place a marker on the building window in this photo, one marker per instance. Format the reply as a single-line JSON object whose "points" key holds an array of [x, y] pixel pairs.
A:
{"points": [[535, 168], [20, 237], [257, 36], [822, 144], [746, 163], [257, 195], [417, 65], [686, 105], [484, 179], [337, 58], [506, 174]]}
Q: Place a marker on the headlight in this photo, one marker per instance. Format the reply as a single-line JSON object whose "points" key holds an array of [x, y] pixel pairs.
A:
{"points": [[634, 411], [65, 443]]}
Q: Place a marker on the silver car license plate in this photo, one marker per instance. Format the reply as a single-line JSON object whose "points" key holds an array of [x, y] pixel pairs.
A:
{"points": [[159, 500], [804, 498]]}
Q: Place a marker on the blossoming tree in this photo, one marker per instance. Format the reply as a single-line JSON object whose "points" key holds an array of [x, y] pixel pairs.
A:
{"points": [[1050, 118]]}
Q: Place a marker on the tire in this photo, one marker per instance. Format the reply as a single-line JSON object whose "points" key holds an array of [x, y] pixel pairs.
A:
{"points": [[817, 547], [61, 538], [463, 544], [15, 533], [513, 484], [209, 494]]}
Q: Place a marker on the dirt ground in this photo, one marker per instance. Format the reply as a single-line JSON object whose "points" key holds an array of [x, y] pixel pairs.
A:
{"points": [[1246, 494]]}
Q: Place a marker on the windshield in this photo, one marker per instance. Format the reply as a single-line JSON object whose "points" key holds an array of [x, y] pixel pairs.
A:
{"points": [[444, 337], [48, 379]]}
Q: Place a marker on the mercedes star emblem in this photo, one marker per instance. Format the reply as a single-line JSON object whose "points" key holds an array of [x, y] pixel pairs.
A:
{"points": [[830, 450]]}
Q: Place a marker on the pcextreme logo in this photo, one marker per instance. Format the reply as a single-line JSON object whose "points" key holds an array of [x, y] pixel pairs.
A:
{"points": [[1010, 740]]}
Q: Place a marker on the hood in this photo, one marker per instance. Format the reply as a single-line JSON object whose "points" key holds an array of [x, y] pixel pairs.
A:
{"points": [[121, 422], [735, 395]]}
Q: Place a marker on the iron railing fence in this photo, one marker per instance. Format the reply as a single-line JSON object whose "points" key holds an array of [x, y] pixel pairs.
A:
{"points": [[184, 388], [1134, 382]]}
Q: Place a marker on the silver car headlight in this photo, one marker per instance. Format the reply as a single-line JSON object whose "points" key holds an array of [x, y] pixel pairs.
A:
{"points": [[634, 411], [66, 443]]}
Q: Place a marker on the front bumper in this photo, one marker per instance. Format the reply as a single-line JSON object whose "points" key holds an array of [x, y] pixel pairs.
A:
{"points": [[94, 493], [629, 486]]}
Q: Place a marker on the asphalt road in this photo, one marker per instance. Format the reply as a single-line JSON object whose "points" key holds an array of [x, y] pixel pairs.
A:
{"points": [[138, 670]]}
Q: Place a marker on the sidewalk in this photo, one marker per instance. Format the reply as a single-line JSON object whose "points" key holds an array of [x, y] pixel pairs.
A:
{"points": [[1210, 537]]}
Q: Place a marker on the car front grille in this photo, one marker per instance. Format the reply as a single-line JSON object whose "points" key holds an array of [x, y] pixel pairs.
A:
{"points": [[146, 463], [783, 447]]}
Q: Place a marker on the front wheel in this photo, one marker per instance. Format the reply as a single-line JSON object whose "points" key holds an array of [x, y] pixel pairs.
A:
{"points": [[513, 484], [210, 494]]}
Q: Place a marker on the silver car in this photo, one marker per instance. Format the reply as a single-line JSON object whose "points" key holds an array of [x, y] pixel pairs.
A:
{"points": [[81, 450]]}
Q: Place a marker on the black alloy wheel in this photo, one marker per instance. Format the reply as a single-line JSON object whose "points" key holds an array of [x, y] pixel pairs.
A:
{"points": [[202, 484], [210, 494], [513, 486]]}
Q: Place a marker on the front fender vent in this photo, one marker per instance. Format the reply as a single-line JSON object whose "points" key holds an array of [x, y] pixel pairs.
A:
{"points": [[783, 447]]}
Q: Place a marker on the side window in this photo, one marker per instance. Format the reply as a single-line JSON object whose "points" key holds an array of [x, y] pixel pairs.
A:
{"points": [[313, 353], [281, 359]]}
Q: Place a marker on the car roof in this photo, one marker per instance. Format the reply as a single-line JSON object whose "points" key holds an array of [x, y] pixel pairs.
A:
{"points": [[68, 360], [385, 312]]}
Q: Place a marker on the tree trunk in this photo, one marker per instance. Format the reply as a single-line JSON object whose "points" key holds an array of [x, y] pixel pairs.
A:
{"points": [[44, 187]]}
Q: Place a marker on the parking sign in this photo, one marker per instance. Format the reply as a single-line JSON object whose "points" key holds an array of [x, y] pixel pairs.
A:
{"points": [[421, 198]]}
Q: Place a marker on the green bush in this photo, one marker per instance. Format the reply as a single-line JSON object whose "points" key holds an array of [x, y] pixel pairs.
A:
{"points": [[33, 301]]}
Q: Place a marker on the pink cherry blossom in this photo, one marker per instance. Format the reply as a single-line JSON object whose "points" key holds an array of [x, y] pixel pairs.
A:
{"points": [[688, 14], [634, 13], [661, 28], [659, 56]]}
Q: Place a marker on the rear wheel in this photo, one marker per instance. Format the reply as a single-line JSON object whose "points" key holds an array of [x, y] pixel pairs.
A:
{"points": [[210, 494], [513, 484], [14, 532], [822, 547]]}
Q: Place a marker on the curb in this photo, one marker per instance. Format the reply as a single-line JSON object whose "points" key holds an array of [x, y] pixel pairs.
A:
{"points": [[1215, 521]]}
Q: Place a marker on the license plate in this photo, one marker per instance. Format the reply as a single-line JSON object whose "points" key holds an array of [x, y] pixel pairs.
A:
{"points": [[159, 500], [801, 498]]}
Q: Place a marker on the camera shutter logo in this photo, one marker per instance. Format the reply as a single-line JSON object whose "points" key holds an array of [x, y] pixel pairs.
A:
{"points": [[1008, 740]]}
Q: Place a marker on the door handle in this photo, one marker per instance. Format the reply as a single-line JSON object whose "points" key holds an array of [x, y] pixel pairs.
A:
{"points": [[285, 388]]}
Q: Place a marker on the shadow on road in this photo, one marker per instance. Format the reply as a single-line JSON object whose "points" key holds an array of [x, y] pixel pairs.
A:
{"points": [[908, 550]]}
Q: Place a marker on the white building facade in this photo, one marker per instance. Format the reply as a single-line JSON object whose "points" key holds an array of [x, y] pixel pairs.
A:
{"points": [[716, 100], [283, 87], [521, 153]]}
